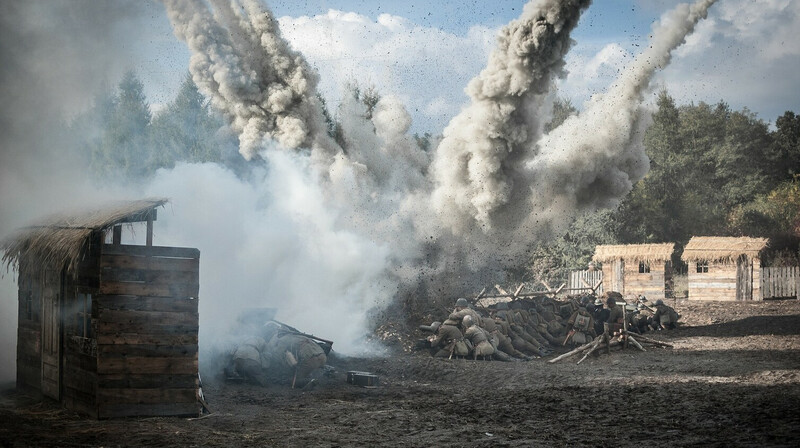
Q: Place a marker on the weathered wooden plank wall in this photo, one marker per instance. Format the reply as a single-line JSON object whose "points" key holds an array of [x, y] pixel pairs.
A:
{"points": [[780, 282], [719, 283], [147, 327]]}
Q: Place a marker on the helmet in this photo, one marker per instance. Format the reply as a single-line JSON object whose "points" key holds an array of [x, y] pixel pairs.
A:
{"points": [[462, 302], [640, 305], [598, 302], [659, 302], [467, 321]]}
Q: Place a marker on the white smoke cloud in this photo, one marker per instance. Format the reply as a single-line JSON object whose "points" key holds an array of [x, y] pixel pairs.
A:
{"points": [[394, 55], [240, 61], [272, 241], [477, 160]]}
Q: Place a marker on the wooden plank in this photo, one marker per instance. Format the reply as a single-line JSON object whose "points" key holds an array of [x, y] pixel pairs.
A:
{"points": [[148, 290], [144, 365], [123, 380], [146, 318], [151, 251], [137, 303], [79, 405], [80, 380], [709, 285], [116, 237], [110, 328], [146, 338], [147, 350], [80, 361], [146, 276], [29, 341], [29, 375], [149, 410], [150, 263], [153, 396]]}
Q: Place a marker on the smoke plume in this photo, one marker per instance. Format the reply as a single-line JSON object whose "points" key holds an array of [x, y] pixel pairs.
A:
{"points": [[592, 160], [240, 61], [478, 160]]}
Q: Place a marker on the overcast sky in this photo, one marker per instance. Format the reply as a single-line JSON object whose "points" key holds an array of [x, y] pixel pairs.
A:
{"points": [[746, 53]]}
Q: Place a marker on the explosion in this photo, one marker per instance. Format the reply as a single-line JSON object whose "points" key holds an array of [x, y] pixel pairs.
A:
{"points": [[493, 184]]}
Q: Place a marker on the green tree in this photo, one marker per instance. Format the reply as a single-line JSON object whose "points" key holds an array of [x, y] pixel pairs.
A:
{"points": [[654, 211], [124, 149], [786, 146], [185, 130]]}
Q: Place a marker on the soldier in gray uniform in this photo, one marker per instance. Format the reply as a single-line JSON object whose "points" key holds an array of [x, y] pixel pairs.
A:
{"points": [[665, 316], [478, 337], [462, 309], [447, 340], [250, 360]]}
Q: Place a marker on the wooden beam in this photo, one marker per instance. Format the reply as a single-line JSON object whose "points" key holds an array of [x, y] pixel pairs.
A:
{"points": [[150, 218], [116, 239]]}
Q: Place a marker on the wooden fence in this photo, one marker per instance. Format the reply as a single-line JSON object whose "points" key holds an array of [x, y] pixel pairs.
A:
{"points": [[780, 282], [585, 281]]}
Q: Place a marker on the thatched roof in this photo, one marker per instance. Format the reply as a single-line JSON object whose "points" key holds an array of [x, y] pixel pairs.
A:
{"points": [[647, 253], [60, 240], [721, 248]]}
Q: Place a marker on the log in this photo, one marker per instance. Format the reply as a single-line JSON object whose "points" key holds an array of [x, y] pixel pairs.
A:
{"points": [[594, 347], [573, 352], [653, 341], [635, 343]]}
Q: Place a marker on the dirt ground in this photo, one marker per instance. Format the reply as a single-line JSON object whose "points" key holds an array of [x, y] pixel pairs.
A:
{"points": [[732, 379]]}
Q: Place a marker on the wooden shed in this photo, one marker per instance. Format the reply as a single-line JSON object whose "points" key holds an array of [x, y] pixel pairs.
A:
{"points": [[637, 268], [724, 268], [107, 329]]}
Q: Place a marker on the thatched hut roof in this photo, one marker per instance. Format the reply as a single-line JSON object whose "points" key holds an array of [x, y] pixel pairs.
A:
{"points": [[60, 239], [721, 248], [647, 253]]}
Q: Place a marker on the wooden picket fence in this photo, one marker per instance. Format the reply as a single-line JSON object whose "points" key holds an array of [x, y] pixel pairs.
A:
{"points": [[780, 282], [584, 281]]}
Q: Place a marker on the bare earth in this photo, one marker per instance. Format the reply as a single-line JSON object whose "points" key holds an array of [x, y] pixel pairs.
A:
{"points": [[733, 379]]}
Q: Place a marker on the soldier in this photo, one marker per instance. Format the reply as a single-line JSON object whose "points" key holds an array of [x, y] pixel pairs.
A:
{"points": [[615, 315], [250, 360], [665, 317], [447, 341], [476, 335], [462, 309], [641, 320], [600, 315], [293, 356], [503, 348], [581, 327]]}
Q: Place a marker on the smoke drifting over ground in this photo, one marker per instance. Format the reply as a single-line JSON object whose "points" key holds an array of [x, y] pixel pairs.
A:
{"points": [[327, 232]]}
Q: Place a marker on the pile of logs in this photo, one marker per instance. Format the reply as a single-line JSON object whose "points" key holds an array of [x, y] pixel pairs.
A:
{"points": [[606, 341]]}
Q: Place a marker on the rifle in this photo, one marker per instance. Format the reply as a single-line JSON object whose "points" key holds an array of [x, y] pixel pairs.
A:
{"points": [[569, 335], [300, 333]]}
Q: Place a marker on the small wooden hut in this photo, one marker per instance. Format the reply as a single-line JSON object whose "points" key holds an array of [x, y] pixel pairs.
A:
{"points": [[106, 328], [724, 268], [636, 268]]}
